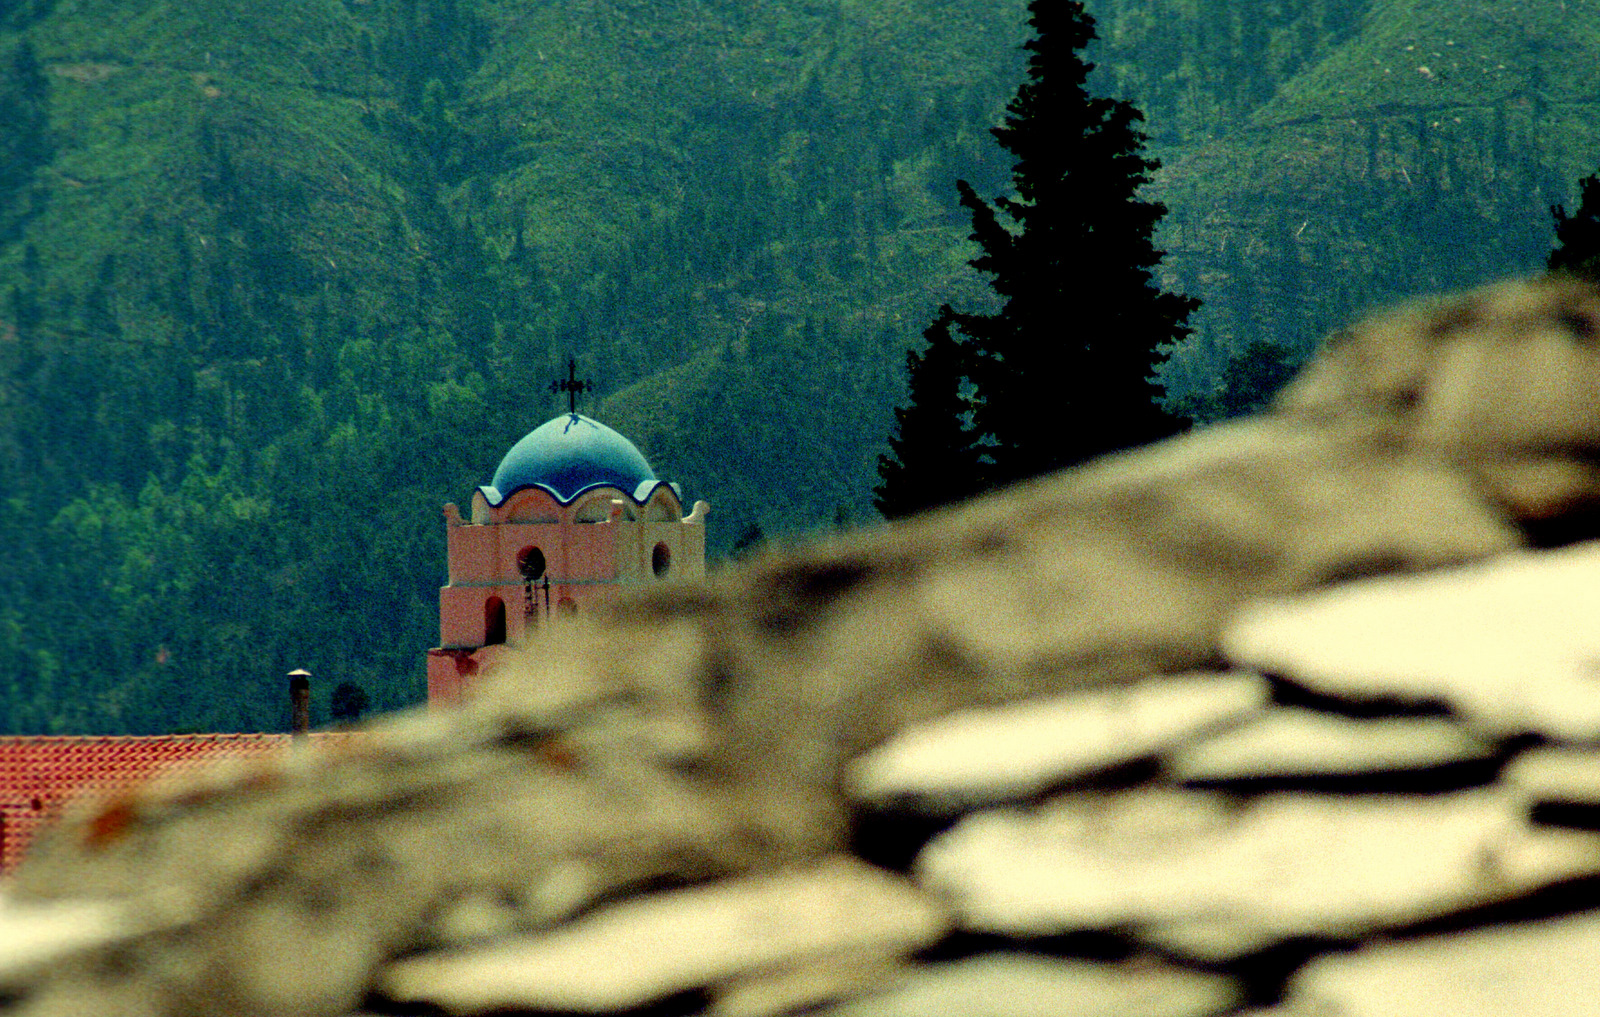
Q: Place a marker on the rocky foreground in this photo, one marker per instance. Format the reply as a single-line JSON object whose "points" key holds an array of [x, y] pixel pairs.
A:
{"points": [[1297, 715]]}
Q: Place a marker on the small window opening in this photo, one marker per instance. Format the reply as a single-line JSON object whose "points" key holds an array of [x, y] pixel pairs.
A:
{"points": [[530, 563], [494, 621], [661, 560]]}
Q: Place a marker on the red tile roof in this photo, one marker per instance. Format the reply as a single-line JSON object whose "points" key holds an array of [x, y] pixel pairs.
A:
{"points": [[39, 775]]}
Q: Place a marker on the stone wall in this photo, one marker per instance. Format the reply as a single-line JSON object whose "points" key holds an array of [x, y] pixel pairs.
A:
{"points": [[1294, 715]]}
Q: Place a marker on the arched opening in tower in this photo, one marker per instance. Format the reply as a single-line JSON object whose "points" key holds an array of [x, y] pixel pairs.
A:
{"points": [[494, 621]]}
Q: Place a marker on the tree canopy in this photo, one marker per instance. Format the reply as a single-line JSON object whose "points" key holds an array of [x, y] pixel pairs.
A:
{"points": [[933, 456], [1577, 249], [1061, 370]]}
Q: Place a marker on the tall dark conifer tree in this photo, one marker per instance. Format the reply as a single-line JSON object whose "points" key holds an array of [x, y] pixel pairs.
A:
{"points": [[1577, 249], [934, 458], [1061, 372], [1063, 369], [25, 114]]}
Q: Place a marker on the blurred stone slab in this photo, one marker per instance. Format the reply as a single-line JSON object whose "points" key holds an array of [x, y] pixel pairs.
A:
{"points": [[303, 877], [1288, 744], [1561, 785], [666, 943], [34, 935], [1210, 942], [820, 980], [1511, 643], [1285, 865], [1546, 968], [1022, 985], [1014, 752], [1557, 774]]}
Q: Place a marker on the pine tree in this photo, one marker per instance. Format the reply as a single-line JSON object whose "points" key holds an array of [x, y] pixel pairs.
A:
{"points": [[934, 459], [24, 110], [348, 702], [1062, 371], [1577, 249], [750, 541]]}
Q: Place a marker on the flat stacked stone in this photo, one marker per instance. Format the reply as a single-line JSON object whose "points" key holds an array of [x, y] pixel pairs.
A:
{"points": [[1303, 749], [719, 937], [1509, 645], [1541, 967], [977, 757]]}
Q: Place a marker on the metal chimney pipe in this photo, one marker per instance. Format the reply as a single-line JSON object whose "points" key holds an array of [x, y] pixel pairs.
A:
{"points": [[300, 701]]}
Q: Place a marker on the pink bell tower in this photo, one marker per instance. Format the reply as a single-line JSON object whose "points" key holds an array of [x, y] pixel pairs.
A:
{"points": [[573, 514]]}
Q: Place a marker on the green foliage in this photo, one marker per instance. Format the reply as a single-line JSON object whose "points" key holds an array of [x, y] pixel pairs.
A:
{"points": [[1415, 149], [348, 702], [1245, 386], [277, 281], [1060, 370], [1577, 249], [934, 457], [751, 540], [25, 143]]}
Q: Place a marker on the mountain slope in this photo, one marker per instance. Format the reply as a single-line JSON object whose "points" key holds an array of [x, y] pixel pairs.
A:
{"points": [[1421, 154]]}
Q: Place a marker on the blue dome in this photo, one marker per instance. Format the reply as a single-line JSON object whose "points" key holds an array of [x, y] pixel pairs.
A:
{"points": [[569, 455]]}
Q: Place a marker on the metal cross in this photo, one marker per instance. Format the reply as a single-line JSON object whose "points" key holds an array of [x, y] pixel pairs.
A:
{"points": [[572, 386]]}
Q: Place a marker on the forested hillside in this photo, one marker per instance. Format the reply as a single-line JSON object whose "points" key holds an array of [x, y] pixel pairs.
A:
{"points": [[1395, 147], [277, 279]]}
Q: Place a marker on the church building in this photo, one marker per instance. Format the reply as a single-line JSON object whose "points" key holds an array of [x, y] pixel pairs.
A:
{"points": [[572, 515]]}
